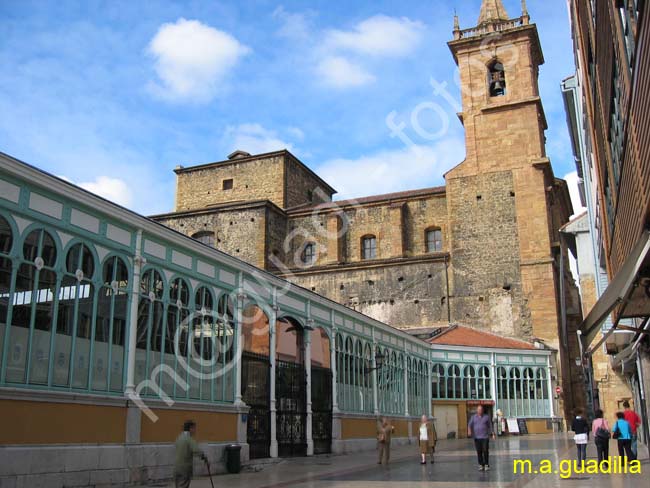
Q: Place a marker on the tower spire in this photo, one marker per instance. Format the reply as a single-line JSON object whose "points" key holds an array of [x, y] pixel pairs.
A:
{"points": [[524, 12], [492, 11], [456, 25]]}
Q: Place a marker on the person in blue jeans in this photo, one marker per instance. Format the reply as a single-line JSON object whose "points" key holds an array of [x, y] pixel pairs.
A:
{"points": [[622, 432], [480, 428]]}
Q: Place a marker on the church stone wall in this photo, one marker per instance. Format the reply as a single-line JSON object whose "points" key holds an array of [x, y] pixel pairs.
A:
{"points": [[240, 232], [486, 281], [302, 186], [403, 295], [257, 179]]}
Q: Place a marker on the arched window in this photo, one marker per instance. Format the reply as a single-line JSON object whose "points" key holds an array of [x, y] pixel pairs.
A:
{"points": [[207, 334], [75, 319], [368, 247], [484, 382], [528, 385], [205, 237], [515, 391], [110, 326], [368, 379], [358, 375], [438, 381], [496, 79], [503, 395], [33, 310], [469, 382], [340, 373], [6, 240], [308, 256], [433, 238], [150, 319], [454, 382]]}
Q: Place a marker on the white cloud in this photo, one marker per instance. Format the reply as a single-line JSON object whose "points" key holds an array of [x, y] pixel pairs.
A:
{"points": [[296, 132], [572, 182], [338, 72], [113, 189], [192, 59], [378, 36], [408, 168], [255, 139], [296, 26]]}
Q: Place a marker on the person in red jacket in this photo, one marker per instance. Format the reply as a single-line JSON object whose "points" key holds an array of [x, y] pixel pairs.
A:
{"points": [[634, 421]]}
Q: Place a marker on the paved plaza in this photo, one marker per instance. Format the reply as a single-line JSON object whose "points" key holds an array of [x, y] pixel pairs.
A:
{"points": [[455, 465]]}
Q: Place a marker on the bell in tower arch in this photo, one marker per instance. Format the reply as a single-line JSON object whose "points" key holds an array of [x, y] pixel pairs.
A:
{"points": [[496, 79]]}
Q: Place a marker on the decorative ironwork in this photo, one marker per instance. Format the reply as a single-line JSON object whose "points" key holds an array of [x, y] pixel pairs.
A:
{"points": [[321, 404], [256, 394], [291, 413]]}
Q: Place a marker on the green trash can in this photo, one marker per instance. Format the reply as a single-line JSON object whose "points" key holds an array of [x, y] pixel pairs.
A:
{"points": [[233, 458]]}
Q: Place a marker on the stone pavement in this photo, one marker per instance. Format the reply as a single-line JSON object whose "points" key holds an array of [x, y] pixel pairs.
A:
{"points": [[455, 466]]}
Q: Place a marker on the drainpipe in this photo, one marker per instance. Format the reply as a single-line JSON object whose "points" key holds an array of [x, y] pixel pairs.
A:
{"points": [[447, 289], [375, 396], [642, 407], [273, 451], [565, 335]]}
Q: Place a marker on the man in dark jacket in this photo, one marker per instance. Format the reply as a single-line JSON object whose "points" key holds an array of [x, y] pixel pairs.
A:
{"points": [[186, 450]]}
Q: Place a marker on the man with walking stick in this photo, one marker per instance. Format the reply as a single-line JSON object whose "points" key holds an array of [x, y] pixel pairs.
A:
{"points": [[186, 450]]}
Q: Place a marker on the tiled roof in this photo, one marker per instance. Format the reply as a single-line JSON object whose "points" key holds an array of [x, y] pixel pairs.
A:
{"points": [[371, 199], [458, 335]]}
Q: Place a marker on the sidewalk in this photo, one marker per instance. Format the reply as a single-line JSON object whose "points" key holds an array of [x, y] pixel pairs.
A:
{"points": [[455, 466]]}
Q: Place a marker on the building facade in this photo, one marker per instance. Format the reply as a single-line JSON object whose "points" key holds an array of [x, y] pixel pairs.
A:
{"points": [[507, 377], [114, 330], [483, 250], [608, 102]]}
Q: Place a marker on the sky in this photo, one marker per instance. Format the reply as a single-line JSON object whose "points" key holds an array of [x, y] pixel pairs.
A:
{"points": [[113, 95]]}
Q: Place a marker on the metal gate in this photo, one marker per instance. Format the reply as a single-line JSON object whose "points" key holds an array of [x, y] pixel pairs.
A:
{"points": [[291, 414], [255, 386], [321, 404]]}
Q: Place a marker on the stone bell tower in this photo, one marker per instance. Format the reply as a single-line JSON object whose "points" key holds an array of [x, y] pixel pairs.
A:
{"points": [[505, 205]]}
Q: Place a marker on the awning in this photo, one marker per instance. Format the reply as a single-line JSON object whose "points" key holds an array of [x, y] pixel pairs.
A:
{"points": [[628, 355], [628, 288]]}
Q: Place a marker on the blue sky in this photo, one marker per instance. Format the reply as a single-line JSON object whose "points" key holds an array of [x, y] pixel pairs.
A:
{"points": [[114, 95]]}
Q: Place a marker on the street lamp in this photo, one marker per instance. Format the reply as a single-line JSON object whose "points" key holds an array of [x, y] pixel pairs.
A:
{"points": [[379, 361]]}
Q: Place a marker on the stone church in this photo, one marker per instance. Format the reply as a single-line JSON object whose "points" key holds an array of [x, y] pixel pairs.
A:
{"points": [[482, 251]]}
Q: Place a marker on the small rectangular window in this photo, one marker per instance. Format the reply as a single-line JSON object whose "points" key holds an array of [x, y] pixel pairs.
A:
{"points": [[227, 184], [369, 247], [434, 240]]}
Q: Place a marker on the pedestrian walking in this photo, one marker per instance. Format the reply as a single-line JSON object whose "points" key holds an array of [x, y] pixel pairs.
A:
{"points": [[580, 428], [186, 450], [480, 428], [384, 434], [602, 434], [426, 439], [622, 432], [635, 421]]}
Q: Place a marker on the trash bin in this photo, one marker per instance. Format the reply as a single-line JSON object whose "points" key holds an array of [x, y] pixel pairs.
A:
{"points": [[233, 459]]}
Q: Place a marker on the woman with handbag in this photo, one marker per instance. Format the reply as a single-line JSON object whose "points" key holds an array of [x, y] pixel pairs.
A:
{"points": [[600, 430], [623, 434]]}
